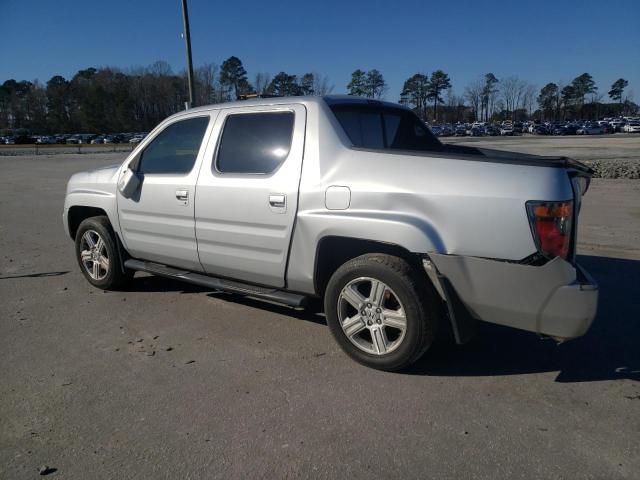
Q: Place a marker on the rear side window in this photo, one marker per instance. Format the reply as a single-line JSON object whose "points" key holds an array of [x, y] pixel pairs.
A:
{"points": [[255, 142], [363, 128], [174, 150], [381, 128]]}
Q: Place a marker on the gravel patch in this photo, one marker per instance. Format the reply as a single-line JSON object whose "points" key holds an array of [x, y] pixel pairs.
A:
{"points": [[610, 156], [615, 168]]}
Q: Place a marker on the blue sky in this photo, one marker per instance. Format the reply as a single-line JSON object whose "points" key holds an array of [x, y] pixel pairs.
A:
{"points": [[539, 41]]}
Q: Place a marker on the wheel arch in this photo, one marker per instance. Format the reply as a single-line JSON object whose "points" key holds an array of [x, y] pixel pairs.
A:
{"points": [[333, 251], [78, 213]]}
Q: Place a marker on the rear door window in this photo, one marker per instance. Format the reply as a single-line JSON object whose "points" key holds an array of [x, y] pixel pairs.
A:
{"points": [[255, 143]]}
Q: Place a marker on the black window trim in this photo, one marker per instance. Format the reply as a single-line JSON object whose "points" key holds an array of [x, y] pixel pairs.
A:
{"points": [[283, 109], [182, 118]]}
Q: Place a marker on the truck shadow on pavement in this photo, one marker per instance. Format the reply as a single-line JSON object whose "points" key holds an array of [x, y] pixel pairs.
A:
{"points": [[609, 351], [152, 283]]}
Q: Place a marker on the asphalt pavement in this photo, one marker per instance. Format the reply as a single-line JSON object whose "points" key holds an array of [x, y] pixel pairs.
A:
{"points": [[168, 380]]}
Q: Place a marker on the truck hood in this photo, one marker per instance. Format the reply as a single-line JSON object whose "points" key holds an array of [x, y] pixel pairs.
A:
{"points": [[101, 181], [100, 175]]}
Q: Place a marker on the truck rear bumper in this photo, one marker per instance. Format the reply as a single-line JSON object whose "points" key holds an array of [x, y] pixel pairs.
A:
{"points": [[555, 299]]}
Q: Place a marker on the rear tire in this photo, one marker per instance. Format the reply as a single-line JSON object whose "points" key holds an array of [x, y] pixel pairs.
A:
{"points": [[98, 255], [382, 312]]}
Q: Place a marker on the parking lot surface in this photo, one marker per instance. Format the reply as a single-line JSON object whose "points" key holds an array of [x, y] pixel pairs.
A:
{"points": [[593, 147], [168, 380]]}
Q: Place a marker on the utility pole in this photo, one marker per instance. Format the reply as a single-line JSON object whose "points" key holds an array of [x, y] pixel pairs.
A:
{"points": [[187, 42]]}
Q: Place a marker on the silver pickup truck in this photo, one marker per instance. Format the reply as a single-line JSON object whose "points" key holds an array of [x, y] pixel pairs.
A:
{"points": [[350, 200]]}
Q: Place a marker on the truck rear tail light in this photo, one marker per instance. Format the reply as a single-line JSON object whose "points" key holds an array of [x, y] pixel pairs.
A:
{"points": [[551, 226]]}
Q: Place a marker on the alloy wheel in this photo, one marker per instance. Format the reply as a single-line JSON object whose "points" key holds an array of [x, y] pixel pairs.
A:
{"points": [[94, 255], [372, 316]]}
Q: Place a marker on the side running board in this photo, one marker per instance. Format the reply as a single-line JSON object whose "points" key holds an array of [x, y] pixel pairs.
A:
{"points": [[272, 295]]}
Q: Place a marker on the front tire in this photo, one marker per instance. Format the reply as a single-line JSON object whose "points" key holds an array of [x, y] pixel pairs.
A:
{"points": [[98, 255], [381, 311]]}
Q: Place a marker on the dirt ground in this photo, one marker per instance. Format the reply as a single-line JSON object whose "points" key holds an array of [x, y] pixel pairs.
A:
{"points": [[167, 380]]}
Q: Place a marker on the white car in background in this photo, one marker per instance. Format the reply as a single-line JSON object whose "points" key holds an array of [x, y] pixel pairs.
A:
{"points": [[632, 127], [506, 129]]}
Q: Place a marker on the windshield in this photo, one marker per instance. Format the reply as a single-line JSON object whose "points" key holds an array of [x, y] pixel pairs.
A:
{"points": [[385, 128]]}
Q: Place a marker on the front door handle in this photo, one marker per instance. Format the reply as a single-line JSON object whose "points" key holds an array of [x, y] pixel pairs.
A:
{"points": [[182, 194], [278, 200]]}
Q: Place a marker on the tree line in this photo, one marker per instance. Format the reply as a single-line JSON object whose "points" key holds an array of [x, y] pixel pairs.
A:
{"points": [[511, 98], [109, 99], [557, 101]]}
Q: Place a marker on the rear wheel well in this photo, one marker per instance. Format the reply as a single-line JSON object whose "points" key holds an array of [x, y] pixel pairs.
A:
{"points": [[79, 213], [333, 252]]}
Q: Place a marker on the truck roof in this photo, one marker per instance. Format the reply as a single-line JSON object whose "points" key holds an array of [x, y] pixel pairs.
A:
{"points": [[328, 99]]}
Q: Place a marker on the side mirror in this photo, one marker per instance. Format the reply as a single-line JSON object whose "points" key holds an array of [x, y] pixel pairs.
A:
{"points": [[129, 182]]}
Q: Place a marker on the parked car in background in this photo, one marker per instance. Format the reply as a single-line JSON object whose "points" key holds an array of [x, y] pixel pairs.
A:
{"points": [[632, 127], [590, 129], [566, 129], [506, 130], [618, 125], [447, 131], [137, 138], [607, 128], [24, 140], [492, 131], [435, 130]]}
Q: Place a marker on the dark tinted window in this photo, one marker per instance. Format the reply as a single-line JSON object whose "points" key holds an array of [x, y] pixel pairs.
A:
{"points": [[363, 128], [255, 142], [175, 149], [385, 128]]}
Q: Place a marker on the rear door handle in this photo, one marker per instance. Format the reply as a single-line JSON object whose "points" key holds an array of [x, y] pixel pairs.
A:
{"points": [[277, 200], [182, 195]]}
